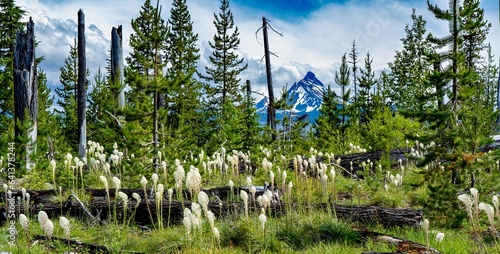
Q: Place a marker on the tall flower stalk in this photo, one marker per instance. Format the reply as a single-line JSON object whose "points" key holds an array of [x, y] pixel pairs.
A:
{"points": [[159, 205], [104, 181], [123, 196], [244, 197], [144, 183], [23, 220], [170, 196], [64, 222]]}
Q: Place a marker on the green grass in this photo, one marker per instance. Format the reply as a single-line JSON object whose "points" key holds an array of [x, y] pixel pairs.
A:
{"points": [[299, 231]]}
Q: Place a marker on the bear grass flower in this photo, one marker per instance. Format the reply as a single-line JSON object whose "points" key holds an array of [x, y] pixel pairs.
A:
{"points": [[65, 225], [439, 237], [262, 220], [203, 201], [187, 224], [48, 228], [467, 201], [244, 197]]}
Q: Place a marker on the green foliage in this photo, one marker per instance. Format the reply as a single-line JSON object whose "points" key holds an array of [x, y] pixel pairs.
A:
{"points": [[67, 97], [183, 97], [407, 72], [442, 204], [364, 104], [10, 20], [300, 234], [387, 130], [147, 83], [474, 30]]}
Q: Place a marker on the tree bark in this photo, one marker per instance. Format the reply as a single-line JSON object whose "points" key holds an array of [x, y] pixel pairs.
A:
{"points": [[271, 111], [82, 86], [26, 90], [117, 71]]}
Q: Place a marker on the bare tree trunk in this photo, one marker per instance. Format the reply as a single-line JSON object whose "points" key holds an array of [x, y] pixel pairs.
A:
{"points": [[271, 111], [82, 86], [117, 65], [26, 89]]}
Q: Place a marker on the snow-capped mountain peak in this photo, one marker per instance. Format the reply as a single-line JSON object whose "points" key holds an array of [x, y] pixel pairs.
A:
{"points": [[305, 97]]}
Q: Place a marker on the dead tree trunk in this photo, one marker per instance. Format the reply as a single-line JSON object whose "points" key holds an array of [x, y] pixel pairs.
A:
{"points": [[117, 65], [25, 91], [82, 86], [271, 111]]}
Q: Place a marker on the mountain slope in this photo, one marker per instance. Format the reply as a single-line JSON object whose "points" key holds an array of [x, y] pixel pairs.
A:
{"points": [[304, 96]]}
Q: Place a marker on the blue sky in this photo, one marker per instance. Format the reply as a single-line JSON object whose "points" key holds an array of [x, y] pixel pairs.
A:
{"points": [[287, 9], [316, 33]]}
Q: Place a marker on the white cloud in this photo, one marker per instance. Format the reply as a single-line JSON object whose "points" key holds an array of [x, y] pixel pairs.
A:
{"points": [[314, 43]]}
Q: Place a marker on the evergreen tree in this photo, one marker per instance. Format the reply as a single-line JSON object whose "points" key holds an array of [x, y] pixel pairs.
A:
{"points": [[67, 96], [354, 61], [102, 124], [366, 82], [251, 128], [183, 97], [489, 73], [10, 23], [224, 93], [474, 29], [226, 63], [51, 141], [462, 125], [145, 78], [343, 81], [327, 124], [410, 65], [141, 61]]}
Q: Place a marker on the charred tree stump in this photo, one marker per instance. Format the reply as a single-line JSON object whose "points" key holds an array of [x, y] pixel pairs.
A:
{"points": [[82, 86], [25, 91], [117, 71], [271, 111]]}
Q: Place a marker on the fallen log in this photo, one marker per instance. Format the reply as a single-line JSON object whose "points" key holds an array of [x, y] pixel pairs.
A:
{"points": [[172, 211], [356, 159], [402, 245], [88, 247]]}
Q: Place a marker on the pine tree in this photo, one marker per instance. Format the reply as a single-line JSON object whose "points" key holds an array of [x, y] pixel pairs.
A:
{"points": [[410, 65], [251, 128], [354, 61], [226, 62], [103, 125], [144, 76], [51, 141], [328, 123], [140, 69], [366, 82], [489, 73], [224, 91], [67, 96], [10, 23], [183, 97], [462, 125], [474, 29], [343, 81]]}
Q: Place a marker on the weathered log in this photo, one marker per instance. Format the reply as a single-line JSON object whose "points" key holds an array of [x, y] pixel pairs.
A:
{"points": [[25, 90], [99, 207], [357, 159], [92, 248], [403, 245]]}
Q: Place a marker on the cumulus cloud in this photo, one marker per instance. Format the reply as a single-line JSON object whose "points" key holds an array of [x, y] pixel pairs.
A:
{"points": [[312, 41]]}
